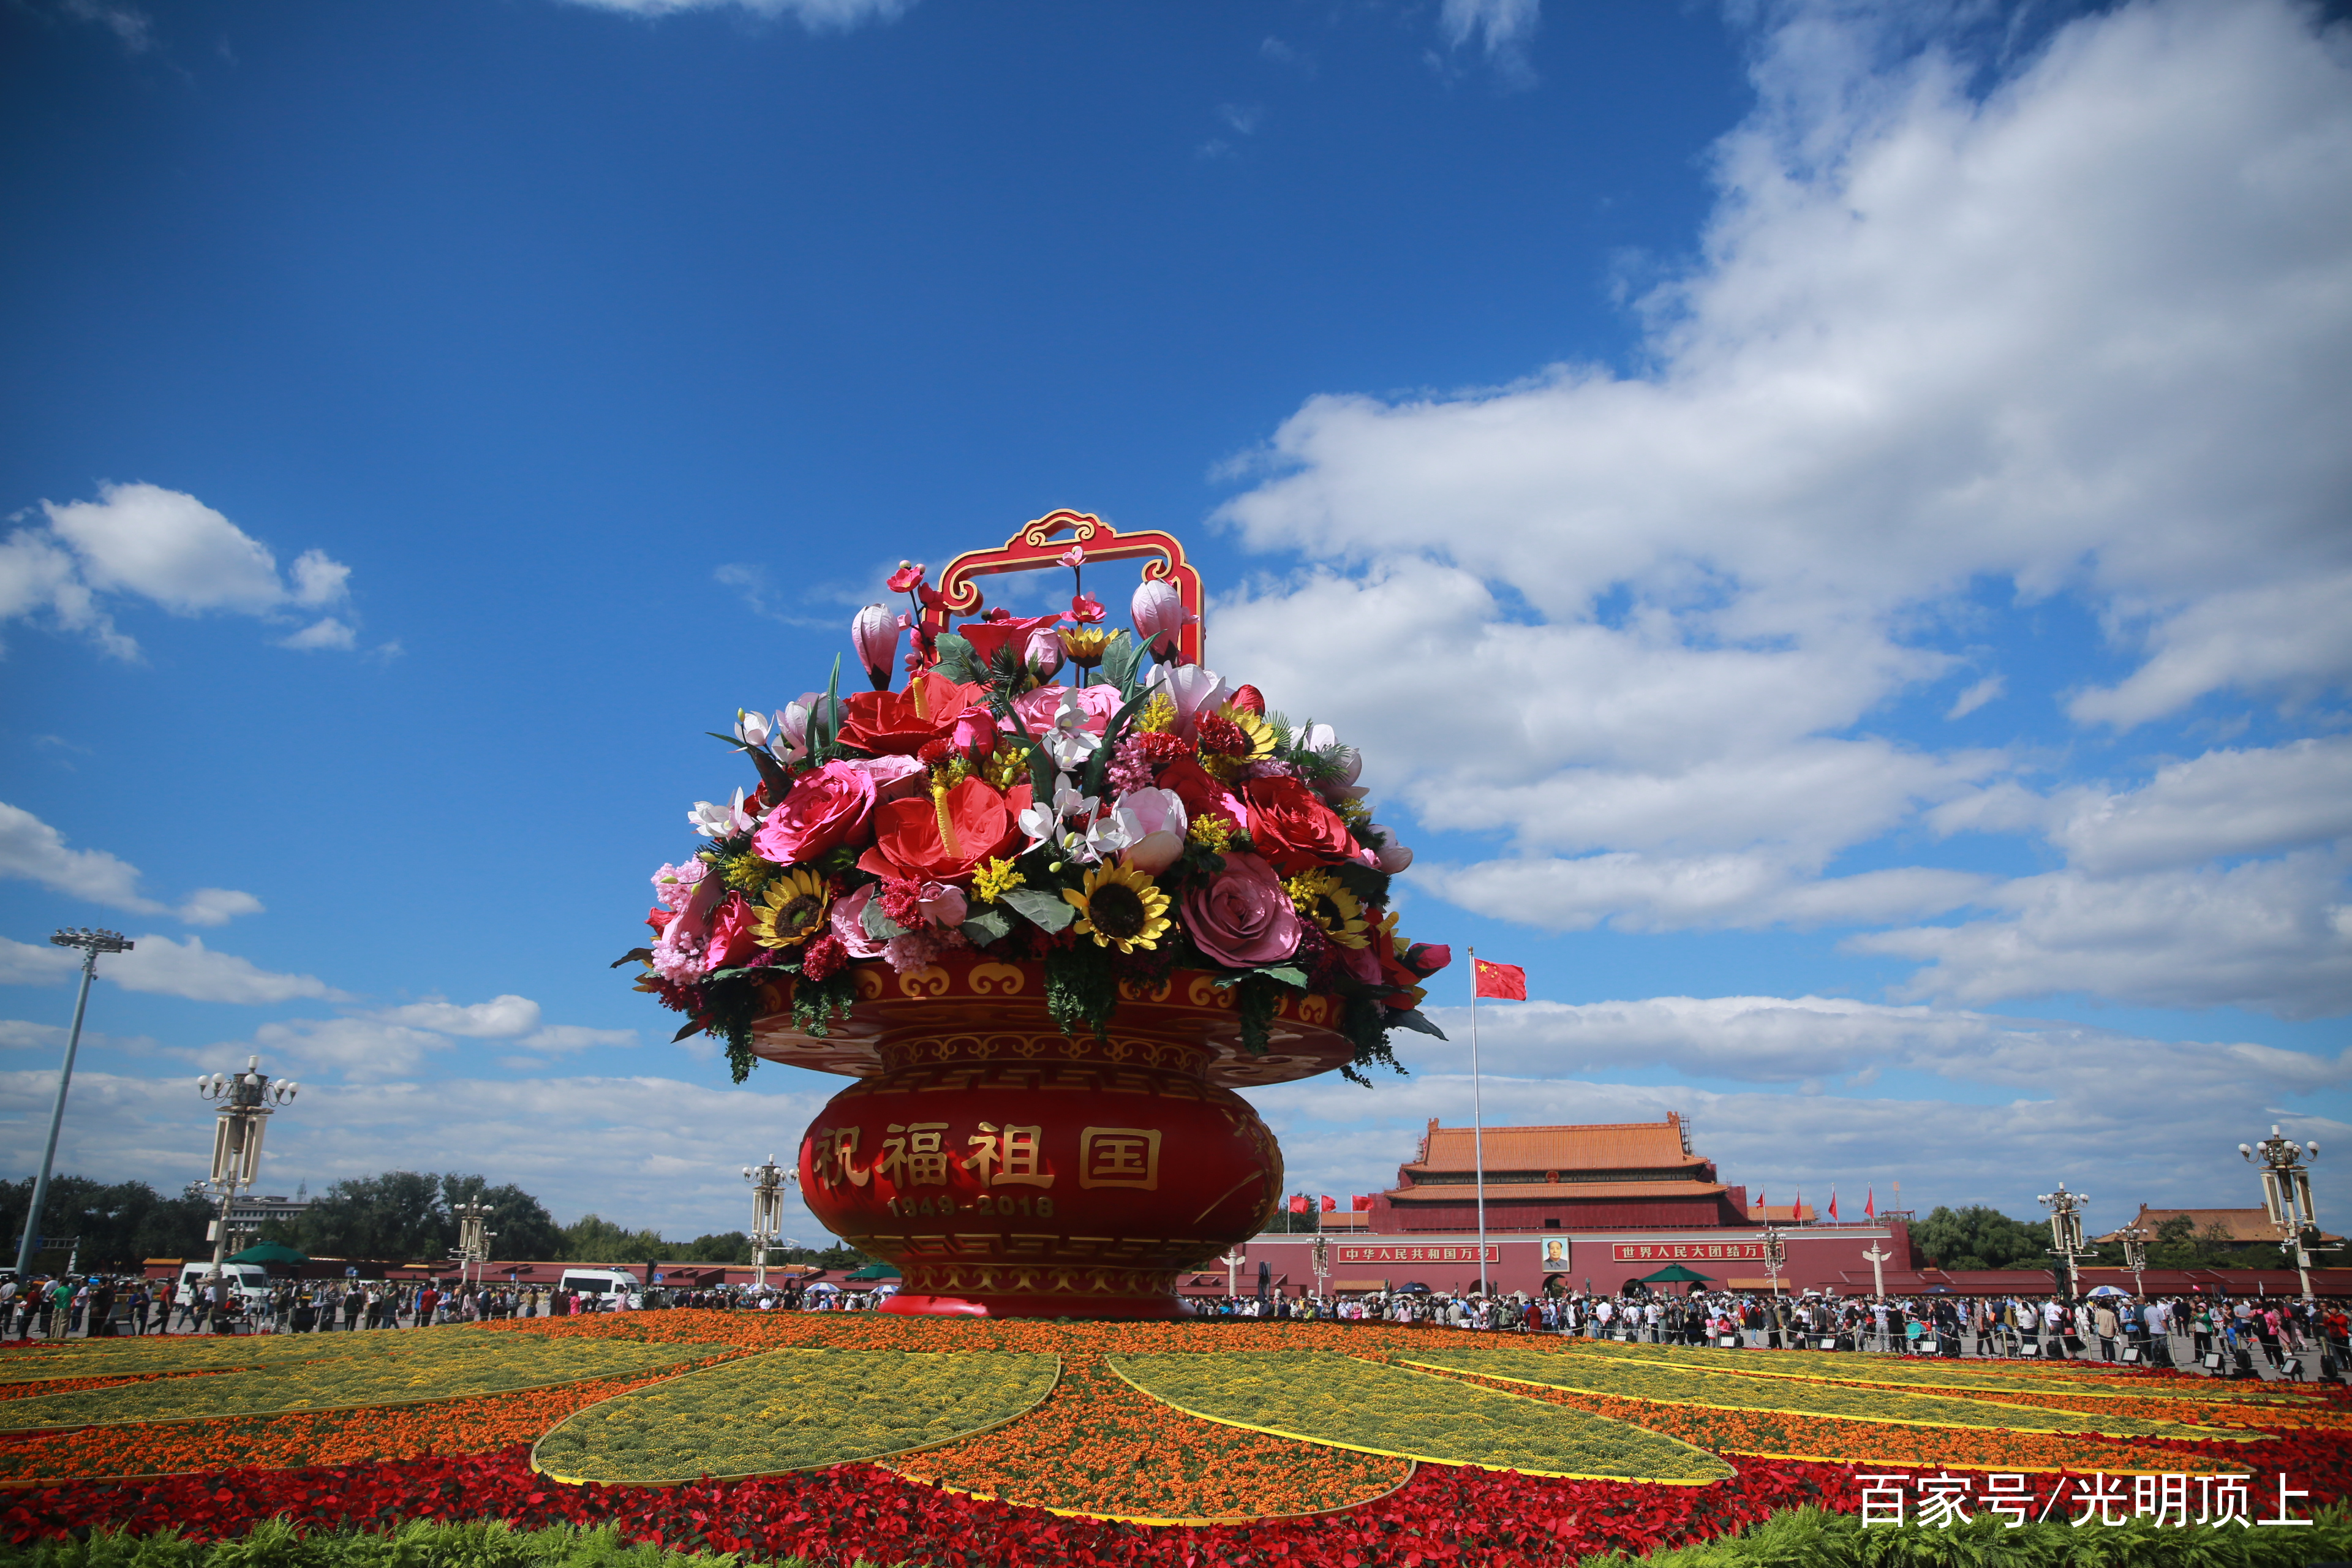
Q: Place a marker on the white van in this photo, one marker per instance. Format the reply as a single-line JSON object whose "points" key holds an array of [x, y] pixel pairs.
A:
{"points": [[250, 1280], [602, 1282]]}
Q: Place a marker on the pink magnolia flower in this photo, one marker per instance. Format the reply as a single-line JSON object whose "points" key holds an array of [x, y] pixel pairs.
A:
{"points": [[1074, 557], [875, 632], [1393, 857], [1043, 653], [1193, 690], [1152, 822], [1160, 616], [942, 904], [1244, 918], [895, 777]]}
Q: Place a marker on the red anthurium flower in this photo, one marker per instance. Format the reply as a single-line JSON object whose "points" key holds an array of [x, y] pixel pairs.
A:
{"points": [[944, 837], [896, 723]]}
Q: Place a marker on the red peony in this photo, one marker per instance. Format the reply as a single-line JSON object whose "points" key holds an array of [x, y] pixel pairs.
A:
{"points": [[1202, 794], [896, 723], [1291, 826], [980, 825], [824, 809]]}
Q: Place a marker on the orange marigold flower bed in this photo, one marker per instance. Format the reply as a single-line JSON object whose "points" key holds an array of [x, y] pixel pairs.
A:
{"points": [[1098, 1446]]}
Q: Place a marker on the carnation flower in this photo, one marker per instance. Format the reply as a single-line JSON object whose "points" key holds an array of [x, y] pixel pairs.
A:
{"points": [[824, 957]]}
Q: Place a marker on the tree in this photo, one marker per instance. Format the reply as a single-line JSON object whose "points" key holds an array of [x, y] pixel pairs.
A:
{"points": [[397, 1216], [727, 1247], [1979, 1237], [116, 1225], [591, 1238], [524, 1227]]}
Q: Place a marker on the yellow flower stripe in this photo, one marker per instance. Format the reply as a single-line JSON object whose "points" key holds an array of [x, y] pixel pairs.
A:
{"points": [[1342, 1401], [1840, 1366], [1411, 1468], [1658, 1383], [386, 1368]]}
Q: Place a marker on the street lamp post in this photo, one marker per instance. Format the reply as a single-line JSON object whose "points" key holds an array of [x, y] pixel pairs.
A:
{"points": [[1322, 1251], [246, 1100], [2135, 1242], [2066, 1232], [1776, 1255], [2286, 1196], [767, 1213], [92, 942], [473, 1240]]}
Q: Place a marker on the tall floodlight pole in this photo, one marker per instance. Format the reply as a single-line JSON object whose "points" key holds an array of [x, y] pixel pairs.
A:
{"points": [[1478, 1123], [2067, 1243], [91, 942], [2286, 1195], [246, 1099], [767, 1213]]}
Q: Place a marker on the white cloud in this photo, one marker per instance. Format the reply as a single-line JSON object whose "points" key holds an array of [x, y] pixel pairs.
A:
{"points": [[1976, 696], [816, 15], [361, 1049], [498, 1018], [2225, 803], [191, 970], [1501, 28], [131, 27], [559, 1038], [164, 546], [217, 906], [329, 633], [2087, 334], [2273, 935], [23, 963], [34, 851]]}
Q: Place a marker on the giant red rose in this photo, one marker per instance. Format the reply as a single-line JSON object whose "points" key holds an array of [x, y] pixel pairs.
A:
{"points": [[823, 809], [1290, 826], [1202, 794], [945, 839]]}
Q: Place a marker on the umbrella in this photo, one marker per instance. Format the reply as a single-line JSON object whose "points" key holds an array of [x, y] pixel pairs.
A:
{"points": [[1674, 1274], [876, 1271], [2110, 1291], [269, 1252], [824, 1288]]}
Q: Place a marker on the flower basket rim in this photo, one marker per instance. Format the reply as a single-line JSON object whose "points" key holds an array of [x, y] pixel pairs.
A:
{"points": [[968, 994]]}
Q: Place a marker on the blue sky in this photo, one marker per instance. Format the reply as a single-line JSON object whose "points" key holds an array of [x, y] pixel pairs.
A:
{"points": [[1829, 522]]}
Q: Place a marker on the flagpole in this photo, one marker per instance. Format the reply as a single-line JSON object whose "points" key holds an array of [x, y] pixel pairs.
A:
{"points": [[1478, 1122]]}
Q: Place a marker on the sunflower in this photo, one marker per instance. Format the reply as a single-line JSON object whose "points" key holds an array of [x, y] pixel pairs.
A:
{"points": [[1120, 907], [1337, 912], [793, 910]]}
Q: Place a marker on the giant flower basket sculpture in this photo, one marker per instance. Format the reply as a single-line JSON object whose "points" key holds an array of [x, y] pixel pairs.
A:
{"points": [[1049, 902]]}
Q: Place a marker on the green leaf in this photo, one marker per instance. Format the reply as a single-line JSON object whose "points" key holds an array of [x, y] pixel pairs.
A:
{"points": [[1050, 910], [635, 955], [1289, 974], [1122, 656], [879, 926], [687, 1031], [1412, 1018], [957, 661], [1370, 885], [984, 926]]}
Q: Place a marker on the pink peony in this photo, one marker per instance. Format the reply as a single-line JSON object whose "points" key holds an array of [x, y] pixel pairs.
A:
{"points": [[1036, 708], [848, 922], [828, 808], [895, 777], [1244, 918]]}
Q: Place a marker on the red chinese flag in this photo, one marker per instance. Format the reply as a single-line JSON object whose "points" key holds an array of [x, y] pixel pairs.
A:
{"points": [[1331, 1203], [1299, 1203], [1507, 981], [1361, 1205], [1869, 1202], [1832, 1203]]}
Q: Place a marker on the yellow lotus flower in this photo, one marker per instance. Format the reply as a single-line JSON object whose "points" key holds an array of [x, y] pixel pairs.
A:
{"points": [[1120, 907], [794, 910], [1339, 913]]}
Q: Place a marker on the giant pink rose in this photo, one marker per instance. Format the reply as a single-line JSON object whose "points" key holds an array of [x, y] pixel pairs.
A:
{"points": [[830, 806], [732, 940], [1243, 920]]}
